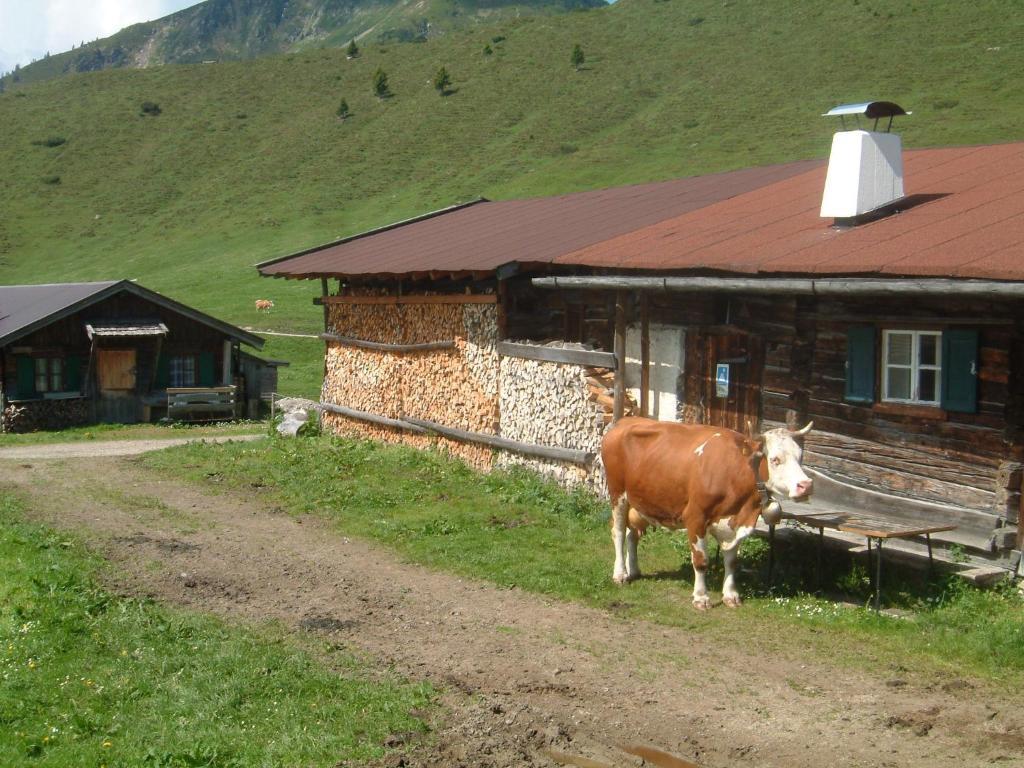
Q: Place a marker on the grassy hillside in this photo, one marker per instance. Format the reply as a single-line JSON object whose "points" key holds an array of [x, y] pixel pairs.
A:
{"points": [[233, 30], [247, 160]]}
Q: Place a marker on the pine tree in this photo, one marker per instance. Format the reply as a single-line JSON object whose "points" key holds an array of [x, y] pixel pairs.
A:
{"points": [[577, 57], [353, 50], [380, 84], [487, 50], [343, 111], [441, 81]]}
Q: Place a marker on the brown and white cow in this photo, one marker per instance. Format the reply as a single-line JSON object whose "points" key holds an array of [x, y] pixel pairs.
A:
{"points": [[704, 479]]}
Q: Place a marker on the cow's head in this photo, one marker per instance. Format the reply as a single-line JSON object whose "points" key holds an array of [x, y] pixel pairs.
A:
{"points": [[782, 455]]}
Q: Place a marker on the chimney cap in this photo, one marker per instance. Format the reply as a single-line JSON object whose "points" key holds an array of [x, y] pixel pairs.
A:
{"points": [[873, 110]]}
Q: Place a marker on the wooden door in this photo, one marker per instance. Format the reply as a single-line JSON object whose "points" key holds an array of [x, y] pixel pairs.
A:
{"points": [[734, 367], [115, 377]]}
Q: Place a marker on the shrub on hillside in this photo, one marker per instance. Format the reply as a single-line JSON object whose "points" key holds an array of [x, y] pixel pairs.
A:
{"points": [[150, 108], [50, 141], [441, 81], [381, 89], [353, 50], [343, 110], [54, 179], [577, 57]]}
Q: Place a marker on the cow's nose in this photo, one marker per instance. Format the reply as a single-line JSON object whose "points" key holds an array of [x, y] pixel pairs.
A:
{"points": [[804, 487]]}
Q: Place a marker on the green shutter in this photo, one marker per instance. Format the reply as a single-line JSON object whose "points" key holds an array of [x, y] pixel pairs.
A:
{"points": [[163, 368], [26, 381], [207, 373], [72, 374], [960, 370], [860, 364]]}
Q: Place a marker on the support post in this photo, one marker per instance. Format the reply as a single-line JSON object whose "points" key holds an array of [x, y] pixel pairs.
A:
{"points": [[619, 402], [226, 364], [645, 356], [325, 290]]}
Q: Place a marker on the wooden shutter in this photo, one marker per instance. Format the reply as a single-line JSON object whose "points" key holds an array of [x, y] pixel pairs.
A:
{"points": [[860, 364], [207, 374], [26, 378], [960, 370], [72, 374], [163, 371]]}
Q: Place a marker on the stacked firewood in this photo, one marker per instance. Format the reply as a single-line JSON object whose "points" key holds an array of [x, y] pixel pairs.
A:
{"points": [[453, 387], [32, 415], [601, 386]]}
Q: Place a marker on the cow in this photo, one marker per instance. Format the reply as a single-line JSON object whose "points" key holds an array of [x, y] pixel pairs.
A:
{"points": [[700, 478], [264, 305]]}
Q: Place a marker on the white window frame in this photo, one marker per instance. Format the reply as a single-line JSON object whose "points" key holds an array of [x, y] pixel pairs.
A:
{"points": [[915, 366]]}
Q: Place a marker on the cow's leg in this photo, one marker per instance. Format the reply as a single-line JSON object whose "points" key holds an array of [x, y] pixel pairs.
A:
{"points": [[620, 511], [698, 554], [632, 564], [729, 541]]}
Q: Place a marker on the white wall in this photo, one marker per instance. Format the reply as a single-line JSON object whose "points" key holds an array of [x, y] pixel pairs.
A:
{"points": [[667, 358]]}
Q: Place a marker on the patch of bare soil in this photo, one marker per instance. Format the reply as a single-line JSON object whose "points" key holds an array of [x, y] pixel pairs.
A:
{"points": [[526, 681]]}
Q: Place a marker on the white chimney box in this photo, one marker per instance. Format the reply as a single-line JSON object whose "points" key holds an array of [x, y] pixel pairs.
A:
{"points": [[865, 172]]}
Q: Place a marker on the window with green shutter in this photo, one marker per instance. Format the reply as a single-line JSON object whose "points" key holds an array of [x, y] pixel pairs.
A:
{"points": [[73, 374], [960, 370], [860, 364], [26, 378], [207, 372]]}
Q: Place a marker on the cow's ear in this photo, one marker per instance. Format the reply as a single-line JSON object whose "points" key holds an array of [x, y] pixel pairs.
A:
{"points": [[752, 446]]}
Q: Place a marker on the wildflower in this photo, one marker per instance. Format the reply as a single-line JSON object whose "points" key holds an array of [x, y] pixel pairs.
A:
{"points": [[107, 744]]}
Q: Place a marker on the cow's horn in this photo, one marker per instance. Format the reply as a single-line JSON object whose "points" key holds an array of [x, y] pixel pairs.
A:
{"points": [[804, 431]]}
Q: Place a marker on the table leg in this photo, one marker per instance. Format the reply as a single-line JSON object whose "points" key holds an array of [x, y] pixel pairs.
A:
{"points": [[771, 555], [871, 575], [878, 576], [817, 567], [931, 560]]}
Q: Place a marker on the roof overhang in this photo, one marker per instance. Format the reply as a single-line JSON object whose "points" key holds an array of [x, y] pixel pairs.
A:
{"points": [[118, 330]]}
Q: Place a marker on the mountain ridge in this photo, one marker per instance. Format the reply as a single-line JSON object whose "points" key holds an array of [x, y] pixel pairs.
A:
{"points": [[233, 30]]}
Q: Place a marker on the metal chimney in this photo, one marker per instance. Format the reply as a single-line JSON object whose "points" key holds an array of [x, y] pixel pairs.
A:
{"points": [[865, 167]]}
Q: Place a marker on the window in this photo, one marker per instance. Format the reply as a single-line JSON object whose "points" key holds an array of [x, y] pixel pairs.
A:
{"points": [[181, 371], [49, 374], [912, 367]]}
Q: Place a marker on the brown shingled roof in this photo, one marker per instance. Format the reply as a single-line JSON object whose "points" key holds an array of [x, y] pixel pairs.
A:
{"points": [[963, 217], [485, 235]]}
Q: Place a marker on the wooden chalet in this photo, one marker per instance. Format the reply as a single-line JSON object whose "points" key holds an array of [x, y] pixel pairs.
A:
{"points": [[504, 327], [77, 353]]}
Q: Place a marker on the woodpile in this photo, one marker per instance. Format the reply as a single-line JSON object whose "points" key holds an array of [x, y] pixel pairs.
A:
{"points": [[456, 387], [33, 415], [555, 404]]}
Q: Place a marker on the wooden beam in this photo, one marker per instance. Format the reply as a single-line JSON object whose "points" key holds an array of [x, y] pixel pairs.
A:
{"points": [[372, 418], [620, 356], [645, 356], [572, 455], [347, 341], [557, 354], [326, 292], [451, 298]]}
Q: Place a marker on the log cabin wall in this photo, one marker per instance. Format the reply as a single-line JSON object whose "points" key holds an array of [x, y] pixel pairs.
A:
{"points": [[454, 387], [964, 459]]}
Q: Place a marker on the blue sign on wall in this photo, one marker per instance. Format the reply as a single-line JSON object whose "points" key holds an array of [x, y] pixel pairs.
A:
{"points": [[722, 380]]}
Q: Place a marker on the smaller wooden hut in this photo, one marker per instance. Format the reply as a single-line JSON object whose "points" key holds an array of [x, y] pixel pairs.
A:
{"points": [[77, 353]]}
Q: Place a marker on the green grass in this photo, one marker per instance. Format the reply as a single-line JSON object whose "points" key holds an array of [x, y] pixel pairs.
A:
{"points": [[248, 161], [516, 530], [102, 432], [87, 678]]}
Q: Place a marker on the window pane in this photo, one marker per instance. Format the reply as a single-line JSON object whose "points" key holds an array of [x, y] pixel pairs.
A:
{"points": [[898, 383], [899, 348], [40, 366], [929, 349], [926, 388]]}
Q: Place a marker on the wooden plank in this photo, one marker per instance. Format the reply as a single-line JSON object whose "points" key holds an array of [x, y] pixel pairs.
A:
{"points": [[191, 390], [586, 357], [200, 408], [620, 356], [645, 355], [348, 341], [372, 418], [453, 298], [893, 531], [571, 455]]}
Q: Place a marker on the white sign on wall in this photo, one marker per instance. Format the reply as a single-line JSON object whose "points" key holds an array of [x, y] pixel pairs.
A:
{"points": [[722, 380]]}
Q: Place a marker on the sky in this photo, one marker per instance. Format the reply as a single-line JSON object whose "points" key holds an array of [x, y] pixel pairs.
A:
{"points": [[30, 28]]}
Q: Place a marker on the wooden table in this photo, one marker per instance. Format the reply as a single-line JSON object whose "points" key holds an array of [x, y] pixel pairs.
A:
{"points": [[872, 527]]}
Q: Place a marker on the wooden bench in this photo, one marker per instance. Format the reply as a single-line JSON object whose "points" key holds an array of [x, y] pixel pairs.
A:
{"points": [[200, 403]]}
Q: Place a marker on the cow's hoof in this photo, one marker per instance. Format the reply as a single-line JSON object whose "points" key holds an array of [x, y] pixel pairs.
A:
{"points": [[702, 603], [620, 578], [732, 601], [633, 576]]}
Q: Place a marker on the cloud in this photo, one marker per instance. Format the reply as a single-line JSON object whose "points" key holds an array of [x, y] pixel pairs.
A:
{"points": [[30, 29]]}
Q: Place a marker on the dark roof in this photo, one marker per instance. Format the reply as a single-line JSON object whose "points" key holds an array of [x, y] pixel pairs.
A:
{"points": [[963, 217], [482, 236], [25, 308]]}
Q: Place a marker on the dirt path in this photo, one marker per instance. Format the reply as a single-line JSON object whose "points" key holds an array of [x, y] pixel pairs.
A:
{"points": [[97, 448], [522, 674]]}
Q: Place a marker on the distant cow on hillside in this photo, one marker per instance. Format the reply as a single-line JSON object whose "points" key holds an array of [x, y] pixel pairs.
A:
{"points": [[264, 305], [701, 478]]}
